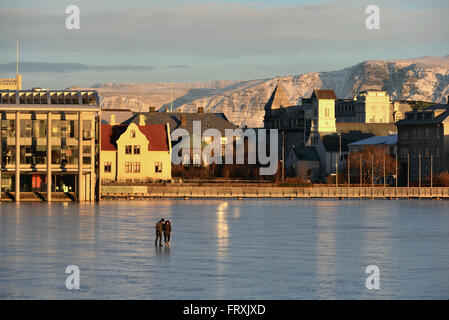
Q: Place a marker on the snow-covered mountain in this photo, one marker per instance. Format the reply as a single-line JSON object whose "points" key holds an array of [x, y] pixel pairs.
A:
{"points": [[423, 79]]}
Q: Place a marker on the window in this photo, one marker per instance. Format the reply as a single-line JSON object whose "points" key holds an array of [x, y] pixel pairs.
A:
{"points": [[107, 167], [136, 149], [128, 150], [136, 168], [133, 133], [128, 167], [196, 160], [326, 112], [158, 166]]}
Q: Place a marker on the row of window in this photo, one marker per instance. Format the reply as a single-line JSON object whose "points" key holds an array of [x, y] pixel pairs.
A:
{"points": [[38, 128], [298, 122], [404, 152], [132, 149], [132, 167], [419, 133]]}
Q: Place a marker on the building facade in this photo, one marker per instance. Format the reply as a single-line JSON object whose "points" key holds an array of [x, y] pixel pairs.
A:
{"points": [[369, 106], [187, 121], [131, 153], [423, 143], [11, 83], [50, 143]]}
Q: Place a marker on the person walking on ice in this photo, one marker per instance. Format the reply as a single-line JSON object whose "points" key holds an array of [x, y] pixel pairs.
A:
{"points": [[159, 228], [167, 231]]}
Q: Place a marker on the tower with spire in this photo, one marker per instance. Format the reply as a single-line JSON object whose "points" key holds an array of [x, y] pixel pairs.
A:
{"points": [[11, 83]]}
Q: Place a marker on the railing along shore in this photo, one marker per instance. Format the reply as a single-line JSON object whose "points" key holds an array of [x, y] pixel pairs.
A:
{"points": [[216, 191]]}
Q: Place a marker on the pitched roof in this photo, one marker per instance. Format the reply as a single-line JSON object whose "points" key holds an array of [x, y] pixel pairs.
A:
{"points": [[208, 120], [278, 98], [444, 114], [331, 141], [382, 140], [156, 134], [324, 94], [306, 153], [375, 129]]}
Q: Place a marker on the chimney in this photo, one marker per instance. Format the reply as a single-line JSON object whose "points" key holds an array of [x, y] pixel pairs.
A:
{"points": [[113, 120], [183, 120], [200, 109], [141, 120], [152, 109]]}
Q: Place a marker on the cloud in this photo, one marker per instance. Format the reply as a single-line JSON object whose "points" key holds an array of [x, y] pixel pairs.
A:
{"points": [[177, 66], [32, 67], [217, 29]]}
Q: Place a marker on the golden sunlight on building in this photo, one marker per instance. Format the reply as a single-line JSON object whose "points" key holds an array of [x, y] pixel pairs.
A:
{"points": [[135, 153], [11, 83]]}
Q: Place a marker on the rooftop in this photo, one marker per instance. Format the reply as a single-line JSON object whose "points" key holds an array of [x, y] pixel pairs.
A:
{"points": [[306, 153], [157, 136], [379, 140], [208, 120], [49, 97]]}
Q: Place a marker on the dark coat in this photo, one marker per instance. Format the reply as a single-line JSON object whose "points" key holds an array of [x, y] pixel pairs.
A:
{"points": [[167, 228], [159, 227]]}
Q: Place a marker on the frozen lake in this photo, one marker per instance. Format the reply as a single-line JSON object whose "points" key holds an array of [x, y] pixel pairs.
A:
{"points": [[226, 249]]}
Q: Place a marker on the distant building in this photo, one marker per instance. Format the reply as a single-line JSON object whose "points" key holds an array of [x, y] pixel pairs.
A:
{"points": [[333, 148], [304, 162], [423, 142], [398, 110], [300, 123], [49, 142], [313, 123], [11, 83], [131, 153], [370, 106], [178, 120], [389, 143]]}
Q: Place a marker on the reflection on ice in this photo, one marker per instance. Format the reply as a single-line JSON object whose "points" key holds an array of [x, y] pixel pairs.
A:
{"points": [[226, 249]]}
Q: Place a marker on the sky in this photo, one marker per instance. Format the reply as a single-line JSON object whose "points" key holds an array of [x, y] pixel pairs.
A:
{"points": [[182, 40]]}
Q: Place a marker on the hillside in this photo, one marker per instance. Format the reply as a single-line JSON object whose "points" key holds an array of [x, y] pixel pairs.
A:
{"points": [[423, 79]]}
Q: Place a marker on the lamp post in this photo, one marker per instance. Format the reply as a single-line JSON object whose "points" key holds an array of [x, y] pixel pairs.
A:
{"points": [[431, 170], [339, 159], [419, 169], [384, 171], [283, 160], [408, 170], [397, 169], [349, 169], [361, 164]]}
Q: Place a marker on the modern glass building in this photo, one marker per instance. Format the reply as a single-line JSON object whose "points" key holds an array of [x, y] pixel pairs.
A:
{"points": [[49, 144]]}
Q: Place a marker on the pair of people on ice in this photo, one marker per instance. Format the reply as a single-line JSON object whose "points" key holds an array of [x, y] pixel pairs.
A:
{"points": [[163, 227]]}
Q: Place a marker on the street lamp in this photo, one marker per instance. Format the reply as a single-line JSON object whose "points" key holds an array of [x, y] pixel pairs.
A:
{"points": [[339, 159]]}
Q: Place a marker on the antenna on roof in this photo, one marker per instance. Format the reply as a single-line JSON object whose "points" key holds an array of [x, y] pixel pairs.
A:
{"points": [[171, 98], [17, 67]]}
